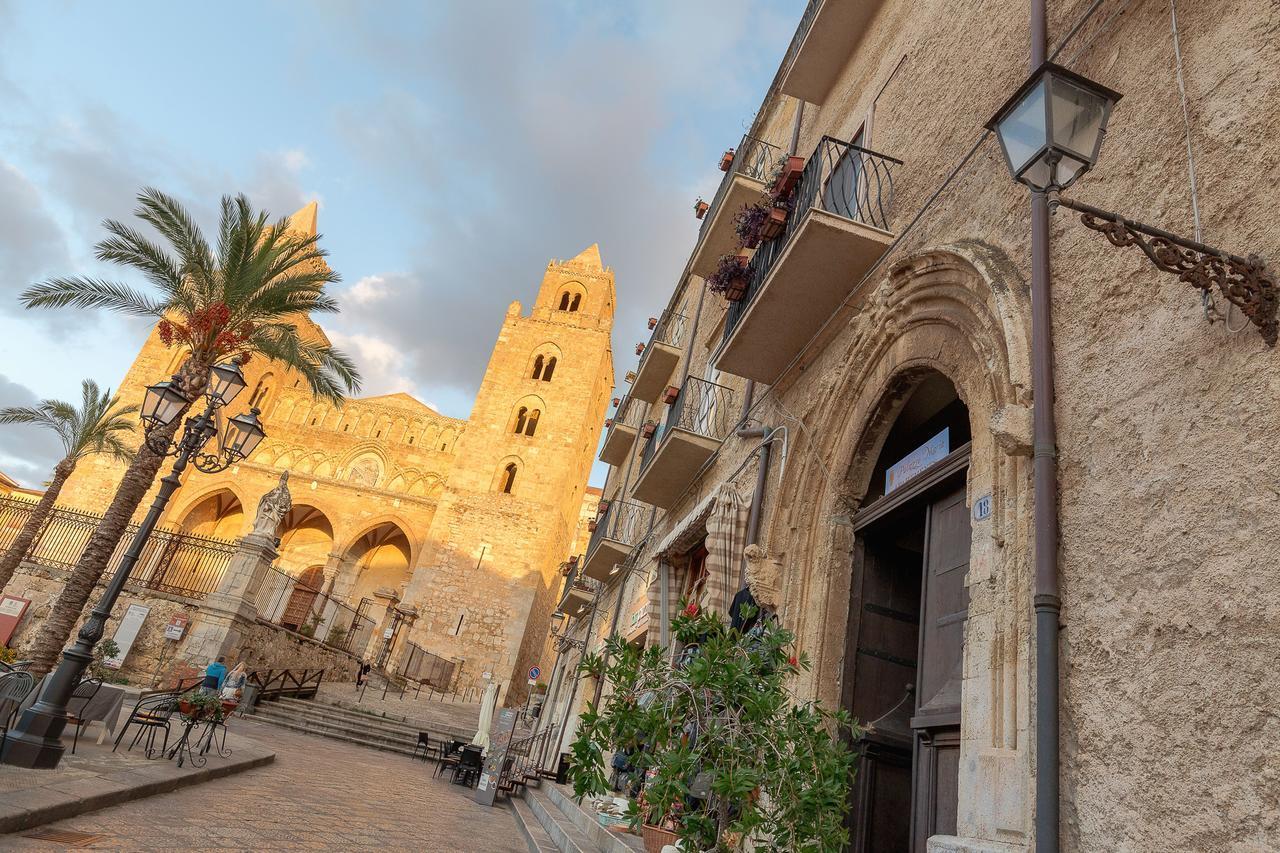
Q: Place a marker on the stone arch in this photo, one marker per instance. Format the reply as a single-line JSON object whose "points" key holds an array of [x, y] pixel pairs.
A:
{"points": [[262, 392], [431, 435], [306, 538], [382, 429], [366, 464], [526, 414], [961, 312], [218, 511], [544, 361], [447, 437], [507, 476], [571, 297], [283, 412]]}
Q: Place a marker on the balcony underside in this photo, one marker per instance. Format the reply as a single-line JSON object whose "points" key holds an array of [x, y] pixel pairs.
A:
{"points": [[824, 260], [837, 28], [602, 558], [617, 444], [654, 371], [674, 465], [719, 238], [574, 601]]}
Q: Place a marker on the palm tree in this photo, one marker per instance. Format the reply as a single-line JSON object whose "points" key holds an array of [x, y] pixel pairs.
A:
{"points": [[235, 300], [93, 428]]}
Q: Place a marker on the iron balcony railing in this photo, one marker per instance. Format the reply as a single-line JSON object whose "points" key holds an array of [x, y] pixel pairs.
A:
{"points": [[622, 521], [171, 561], [670, 330], [840, 178], [630, 413], [701, 407], [753, 158], [577, 580]]}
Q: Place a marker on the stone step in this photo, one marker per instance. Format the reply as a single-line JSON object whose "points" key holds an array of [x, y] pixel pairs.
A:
{"points": [[338, 728], [330, 714], [538, 839], [442, 723], [586, 822], [380, 744], [566, 837]]}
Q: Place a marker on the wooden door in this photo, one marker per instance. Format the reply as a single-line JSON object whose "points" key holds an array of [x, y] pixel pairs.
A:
{"points": [[305, 590], [944, 605]]}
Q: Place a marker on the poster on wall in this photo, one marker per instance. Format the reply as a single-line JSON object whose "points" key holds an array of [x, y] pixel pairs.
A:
{"points": [[127, 632], [11, 610]]}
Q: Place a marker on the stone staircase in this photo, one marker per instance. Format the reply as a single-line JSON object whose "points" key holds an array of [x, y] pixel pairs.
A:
{"points": [[386, 732], [551, 821]]}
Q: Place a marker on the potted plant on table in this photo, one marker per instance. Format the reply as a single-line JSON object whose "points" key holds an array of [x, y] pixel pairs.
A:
{"points": [[201, 705], [732, 760]]}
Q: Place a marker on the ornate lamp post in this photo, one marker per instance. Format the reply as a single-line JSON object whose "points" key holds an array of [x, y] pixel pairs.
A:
{"points": [[1051, 131], [36, 739]]}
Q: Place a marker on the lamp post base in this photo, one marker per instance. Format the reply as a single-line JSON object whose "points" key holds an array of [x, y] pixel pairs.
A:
{"points": [[36, 741]]}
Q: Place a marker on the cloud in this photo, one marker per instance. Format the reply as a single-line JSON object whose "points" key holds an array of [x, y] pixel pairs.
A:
{"points": [[382, 365], [31, 244], [27, 453]]}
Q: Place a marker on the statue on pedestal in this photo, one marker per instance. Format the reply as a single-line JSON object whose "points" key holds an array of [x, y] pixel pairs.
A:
{"points": [[272, 508]]}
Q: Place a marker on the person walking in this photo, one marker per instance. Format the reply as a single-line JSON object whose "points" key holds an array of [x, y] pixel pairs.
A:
{"points": [[233, 686]]}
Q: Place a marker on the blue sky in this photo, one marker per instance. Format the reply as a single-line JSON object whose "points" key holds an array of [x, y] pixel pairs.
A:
{"points": [[454, 148]]}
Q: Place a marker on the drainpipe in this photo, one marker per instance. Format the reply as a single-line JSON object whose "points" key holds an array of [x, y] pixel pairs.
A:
{"points": [[795, 126], [1045, 597], [757, 497]]}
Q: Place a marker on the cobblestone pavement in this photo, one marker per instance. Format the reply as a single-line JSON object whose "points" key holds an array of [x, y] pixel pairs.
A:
{"points": [[319, 794]]}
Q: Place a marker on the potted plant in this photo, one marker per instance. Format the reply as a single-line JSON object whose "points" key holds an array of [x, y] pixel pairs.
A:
{"points": [[726, 160], [786, 176], [639, 349], [653, 323], [748, 224], [201, 705], [730, 758], [669, 396], [775, 222], [647, 431], [608, 423], [730, 277], [700, 208], [592, 525]]}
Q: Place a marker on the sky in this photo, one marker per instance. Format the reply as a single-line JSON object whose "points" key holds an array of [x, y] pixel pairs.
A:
{"points": [[453, 148]]}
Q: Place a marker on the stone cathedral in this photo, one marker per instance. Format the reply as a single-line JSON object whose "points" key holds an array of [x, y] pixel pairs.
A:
{"points": [[448, 532]]}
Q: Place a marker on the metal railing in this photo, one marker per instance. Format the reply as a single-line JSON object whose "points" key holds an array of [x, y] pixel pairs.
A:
{"points": [[670, 330], [576, 580], [622, 521], [840, 178], [702, 407], [174, 562], [418, 664], [753, 158], [298, 606], [630, 413]]}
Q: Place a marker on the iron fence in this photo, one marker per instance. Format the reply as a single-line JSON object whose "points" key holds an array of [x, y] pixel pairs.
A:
{"points": [[840, 178], [294, 604], [702, 407], [622, 521], [753, 158], [424, 667], [630, 413], [171, 561], [670, 330]]}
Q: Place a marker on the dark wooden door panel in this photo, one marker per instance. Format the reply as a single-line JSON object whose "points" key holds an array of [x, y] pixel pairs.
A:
{"points": [[945, 603]]}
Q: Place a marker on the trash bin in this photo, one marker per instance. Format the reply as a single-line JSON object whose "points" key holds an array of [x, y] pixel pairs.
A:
{"points": [[248, 699]]}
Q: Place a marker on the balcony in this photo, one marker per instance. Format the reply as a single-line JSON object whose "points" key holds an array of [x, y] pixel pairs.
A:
{"points": [[828, 34], [660, 357], [617, 530], [696, 424], [578, 593], [621, 436], [837, 228], [743, 184]]}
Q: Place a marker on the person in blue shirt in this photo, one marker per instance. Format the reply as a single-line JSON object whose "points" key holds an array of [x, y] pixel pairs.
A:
{"points": [[215, 674]]}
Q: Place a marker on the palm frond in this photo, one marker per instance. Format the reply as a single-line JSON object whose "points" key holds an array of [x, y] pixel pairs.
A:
{"points": [[24, 415], [85, 292], [167, 215], [330, 373], [131, 248]]}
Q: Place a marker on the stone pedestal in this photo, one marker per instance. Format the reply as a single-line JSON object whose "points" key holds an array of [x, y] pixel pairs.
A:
{"points": [[224, 617]]}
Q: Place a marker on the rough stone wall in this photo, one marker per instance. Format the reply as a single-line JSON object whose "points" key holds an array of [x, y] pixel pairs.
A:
{"points": [[265, 645], [1163, 419]]}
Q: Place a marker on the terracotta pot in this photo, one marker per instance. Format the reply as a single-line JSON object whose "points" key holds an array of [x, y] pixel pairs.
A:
{"points": [[655, 838], [648, 429], [791, 171], [737, 290], [726, 160], [653, 323], [700, 209], [591, 526], [669, 396], [608, 423], [639, 349], [774, 225], [616, 401]]}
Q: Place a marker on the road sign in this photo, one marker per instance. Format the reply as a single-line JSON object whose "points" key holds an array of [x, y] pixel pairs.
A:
{"points": [[534, 672]]}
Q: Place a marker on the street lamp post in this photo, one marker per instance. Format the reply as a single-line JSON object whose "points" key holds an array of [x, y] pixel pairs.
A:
{"points": [[35, 741]]}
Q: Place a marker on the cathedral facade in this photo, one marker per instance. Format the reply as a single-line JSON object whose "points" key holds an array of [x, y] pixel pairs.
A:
{"points": [[449, 532]]}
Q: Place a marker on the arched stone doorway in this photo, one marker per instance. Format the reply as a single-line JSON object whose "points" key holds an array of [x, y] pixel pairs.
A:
{"points": [[306, 539], [376, 571]]}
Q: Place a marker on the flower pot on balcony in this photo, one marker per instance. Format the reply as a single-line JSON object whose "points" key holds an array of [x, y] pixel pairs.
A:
{"points": [[630, 377], [700, 208], [639, 349], [648, 430], [592, 525], [653, 323], [669, 396], [775, 224], [788, 176], [736, 291], [608, 423], [602, 508], [616, 401], [726, 160]]}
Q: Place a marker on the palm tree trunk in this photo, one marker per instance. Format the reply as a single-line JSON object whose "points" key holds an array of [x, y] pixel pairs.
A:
{"points": [[31, 528], [137, 480]]}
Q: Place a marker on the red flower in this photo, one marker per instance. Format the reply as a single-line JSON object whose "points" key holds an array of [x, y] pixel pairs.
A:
{"points": [[794, 663], [166, 333], [691, 610]]}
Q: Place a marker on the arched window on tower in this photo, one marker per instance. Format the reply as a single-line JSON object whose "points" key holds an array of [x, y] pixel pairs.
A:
{"points": [[576, 303], [549, 369], [522, 416], [537, 367], [508, 481], [531, 425], [260, 392], [564, 301]]}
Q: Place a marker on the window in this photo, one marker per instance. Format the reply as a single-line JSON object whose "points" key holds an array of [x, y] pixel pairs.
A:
{"points": [[577, 301], [509, 478], [260, 391], [549, 369], [570, 301], [537, 367], [521, 418], [564, 301], [531, 425], [543, 367]]}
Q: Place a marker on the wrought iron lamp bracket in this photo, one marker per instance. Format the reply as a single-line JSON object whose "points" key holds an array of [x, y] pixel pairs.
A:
{"points": [[1246, 283]]}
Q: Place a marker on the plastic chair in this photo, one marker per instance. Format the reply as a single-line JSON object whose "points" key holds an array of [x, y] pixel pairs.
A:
{"points": [[449, 757], [424, 744], [80, 699], [469, 766]]}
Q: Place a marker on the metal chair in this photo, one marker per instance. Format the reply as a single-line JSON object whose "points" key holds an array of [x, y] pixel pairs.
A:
{"points": [[14, 688], [424, 744], [469, 766], [151, 713], [449, 757], [80, 699]]}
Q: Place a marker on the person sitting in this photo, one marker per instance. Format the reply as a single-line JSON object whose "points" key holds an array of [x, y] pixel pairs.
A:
{"points": [[214, 675], [233, 685]]}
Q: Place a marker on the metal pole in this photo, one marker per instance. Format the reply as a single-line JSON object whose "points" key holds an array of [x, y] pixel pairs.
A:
{"points": [[1045, 597], [36, 740]]}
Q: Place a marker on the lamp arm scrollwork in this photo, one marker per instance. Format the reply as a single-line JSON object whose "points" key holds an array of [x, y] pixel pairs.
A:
{"points": [[1246, 282]]}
